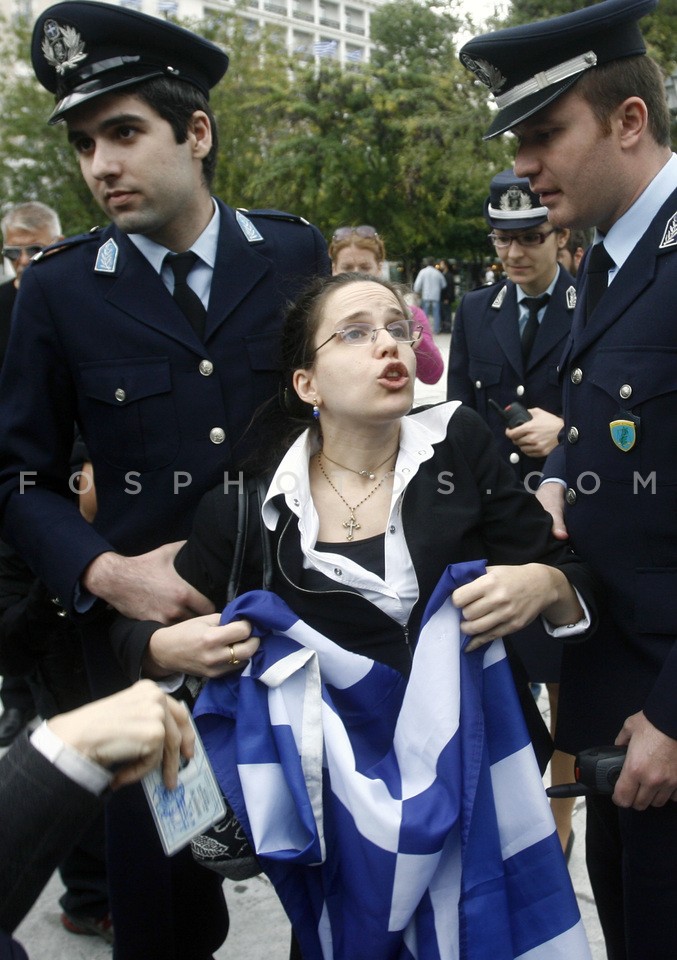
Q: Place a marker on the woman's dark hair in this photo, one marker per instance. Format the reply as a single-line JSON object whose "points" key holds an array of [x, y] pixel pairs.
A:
{"points": [[280, 423], [176, 101]]}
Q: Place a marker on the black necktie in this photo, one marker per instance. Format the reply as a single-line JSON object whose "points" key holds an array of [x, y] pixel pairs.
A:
{"points": [[186, 298], [534, 304], [599, 264]]}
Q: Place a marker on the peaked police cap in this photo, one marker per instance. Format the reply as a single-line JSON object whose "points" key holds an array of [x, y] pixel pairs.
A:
{"points": [[83, 50], [528, 67], [511, 205]]}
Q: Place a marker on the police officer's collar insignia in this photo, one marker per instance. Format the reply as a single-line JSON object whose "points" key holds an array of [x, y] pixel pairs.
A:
{"points": [[63, 47], [571, 297], [489, 75], [107, 257], [500, 297], [623, 434], [670, 235], [248, 228]]}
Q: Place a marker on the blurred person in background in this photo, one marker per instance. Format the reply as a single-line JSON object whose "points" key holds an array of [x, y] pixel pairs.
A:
{"points": [[362, 250]]}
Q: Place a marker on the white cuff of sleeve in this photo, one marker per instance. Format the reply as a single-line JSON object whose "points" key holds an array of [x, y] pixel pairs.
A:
{"points": [[553, 480], [569, 629], [76, 766]]}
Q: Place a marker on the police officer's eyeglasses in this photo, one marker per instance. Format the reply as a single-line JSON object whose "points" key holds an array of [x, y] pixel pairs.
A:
{"points": [[13, 253], [344, 233], [531, 239], [360, 334]]}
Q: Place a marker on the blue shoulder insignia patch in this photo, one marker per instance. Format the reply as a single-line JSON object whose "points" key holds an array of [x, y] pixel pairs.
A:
{"points": [[107, 257], [248, 228], [497, 302]]}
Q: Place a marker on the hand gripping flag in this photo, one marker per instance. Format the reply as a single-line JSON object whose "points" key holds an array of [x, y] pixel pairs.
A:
{"points": [[397, 820]]}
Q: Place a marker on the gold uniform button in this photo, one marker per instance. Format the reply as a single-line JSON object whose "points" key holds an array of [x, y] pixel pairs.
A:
{"points": [[120, 395], [206, 368], [217, 435], [576, 375], [570, 496], [572, 435]]}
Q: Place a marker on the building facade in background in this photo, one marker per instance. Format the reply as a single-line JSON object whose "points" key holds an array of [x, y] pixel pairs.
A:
{"points": [[311, 29]]}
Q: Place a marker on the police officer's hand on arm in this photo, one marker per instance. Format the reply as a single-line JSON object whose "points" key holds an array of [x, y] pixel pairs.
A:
{"points": [[145, 587], [507, 598], [551, 498], [135, 730], [649, 774], [538, 436], [200, 647]]}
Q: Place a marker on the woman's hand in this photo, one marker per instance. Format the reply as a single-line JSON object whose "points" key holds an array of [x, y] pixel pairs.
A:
{"points": [[200, 647], [507, 598]]}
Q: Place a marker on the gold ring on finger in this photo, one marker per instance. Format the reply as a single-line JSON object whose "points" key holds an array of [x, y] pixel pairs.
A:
{"points": [[233, 659]]}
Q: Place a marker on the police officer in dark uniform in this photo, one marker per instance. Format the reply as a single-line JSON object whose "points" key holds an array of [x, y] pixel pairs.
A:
{"points": [[497, 354], [160, 361], [589, 111], [505, 348]]}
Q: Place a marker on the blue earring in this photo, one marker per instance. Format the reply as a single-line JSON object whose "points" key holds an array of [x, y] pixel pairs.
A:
{"points": [[316, 410]]}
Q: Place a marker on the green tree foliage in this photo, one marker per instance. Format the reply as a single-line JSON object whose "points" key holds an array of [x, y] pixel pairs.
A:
{"points": [[35, 159]]}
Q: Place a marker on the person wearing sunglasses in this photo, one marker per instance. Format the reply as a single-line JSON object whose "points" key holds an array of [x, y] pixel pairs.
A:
{"points": [[26, 229], [361, 250], [505, 348]]}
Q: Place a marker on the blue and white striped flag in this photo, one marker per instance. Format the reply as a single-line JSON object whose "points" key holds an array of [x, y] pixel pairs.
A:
{"points": [[326, 48], [397, 820]]}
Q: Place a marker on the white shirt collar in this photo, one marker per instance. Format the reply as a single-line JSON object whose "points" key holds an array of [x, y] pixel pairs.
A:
{"points": [[622, 237]]}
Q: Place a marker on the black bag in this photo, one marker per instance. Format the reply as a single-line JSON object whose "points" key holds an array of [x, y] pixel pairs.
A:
{"points": [[225, 848]]}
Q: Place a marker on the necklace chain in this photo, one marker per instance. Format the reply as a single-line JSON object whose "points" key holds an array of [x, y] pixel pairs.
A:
{"points": [[367, 474], [351, 524]]}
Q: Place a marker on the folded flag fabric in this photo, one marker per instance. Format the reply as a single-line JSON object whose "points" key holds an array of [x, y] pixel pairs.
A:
{"points": [[397, 820]]}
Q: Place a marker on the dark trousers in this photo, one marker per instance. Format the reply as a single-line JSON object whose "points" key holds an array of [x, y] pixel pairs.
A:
{"points": [[83, 873], [632, 863]]}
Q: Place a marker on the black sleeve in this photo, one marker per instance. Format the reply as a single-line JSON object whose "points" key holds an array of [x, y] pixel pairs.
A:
{"points": [[42, 814], [204, 561]]}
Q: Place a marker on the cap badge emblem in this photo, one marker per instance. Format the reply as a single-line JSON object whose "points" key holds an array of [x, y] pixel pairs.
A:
{"points": [[489, 75], [63, 47], [670, 235], [514, 198]]}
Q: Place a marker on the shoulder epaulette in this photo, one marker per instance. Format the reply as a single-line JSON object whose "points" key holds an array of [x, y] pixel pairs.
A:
{"points": [[67, 244], [274, 215]]}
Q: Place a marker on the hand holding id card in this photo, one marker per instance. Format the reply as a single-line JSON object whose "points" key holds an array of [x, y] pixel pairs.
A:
{"points": [[192, 807]]}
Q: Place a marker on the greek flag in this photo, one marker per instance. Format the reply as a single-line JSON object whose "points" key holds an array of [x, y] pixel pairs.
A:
{"points": [[397, 820], [325, 48]]}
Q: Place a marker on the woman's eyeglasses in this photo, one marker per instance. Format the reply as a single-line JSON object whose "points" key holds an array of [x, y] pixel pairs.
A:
{"points": [[344, 233], [13, 253], [360, 334], [533, 238]]}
